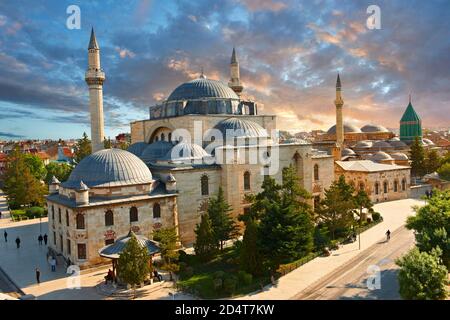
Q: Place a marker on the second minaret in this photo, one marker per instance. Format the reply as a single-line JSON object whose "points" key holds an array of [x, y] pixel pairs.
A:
{"points": [[94, 78]]}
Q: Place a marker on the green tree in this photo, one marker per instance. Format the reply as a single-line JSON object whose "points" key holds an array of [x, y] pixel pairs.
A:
{"points": [[168, 240], [205, 245], [20, 186], [286, 229], [431, 225], [362, 202], [107, 144], [223, 225], [82, 148], [444, 171], [250, 258], [422, 276], [133, 266], [432, 161], [60, 170], [417, 157], [336, 210], [36, 166]]}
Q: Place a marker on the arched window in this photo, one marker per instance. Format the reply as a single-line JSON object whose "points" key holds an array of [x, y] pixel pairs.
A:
{"points": [[80, 221], [403, 184], [170, 137], [67, 218], [395, 186], [316, 172], [156, 210], [377, 188], [361, 186], [156, 138], [53, 213], [133, 214], [109, 218], [385, 187], [205, 185], [246, 180], [163, 137], [59, 215]]}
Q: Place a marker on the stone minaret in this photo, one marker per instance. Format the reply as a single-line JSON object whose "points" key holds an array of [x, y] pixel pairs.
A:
{"points": [[235, 81], [339, 122], [94, 78]]}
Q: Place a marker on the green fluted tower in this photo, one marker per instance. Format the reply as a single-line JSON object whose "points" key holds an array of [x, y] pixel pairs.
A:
{"points": [[410, 125]]}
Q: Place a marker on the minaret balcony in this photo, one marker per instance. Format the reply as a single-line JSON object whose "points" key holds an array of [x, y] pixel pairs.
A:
{"points": [[94, 75]]}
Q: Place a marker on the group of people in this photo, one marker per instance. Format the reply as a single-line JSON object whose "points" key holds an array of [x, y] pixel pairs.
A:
{"points": [[41, 239]]}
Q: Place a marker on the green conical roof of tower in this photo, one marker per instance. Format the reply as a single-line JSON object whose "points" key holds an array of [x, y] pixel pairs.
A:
{"points": [[410, 114]]}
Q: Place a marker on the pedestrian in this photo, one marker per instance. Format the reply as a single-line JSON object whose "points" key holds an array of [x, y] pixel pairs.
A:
{"points": [[40, 238], [18, 242], [45, 239], [427, 194], [53, 264], [5, 234], [388, 235], [38, 276], [0, 214]]}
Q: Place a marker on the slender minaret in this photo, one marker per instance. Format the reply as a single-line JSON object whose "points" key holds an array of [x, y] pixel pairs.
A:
{"points": [[339, 122], [94, 78], [235, 81]]}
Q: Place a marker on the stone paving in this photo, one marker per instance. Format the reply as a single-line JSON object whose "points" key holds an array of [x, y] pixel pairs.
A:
{"points": [[394, 215]]}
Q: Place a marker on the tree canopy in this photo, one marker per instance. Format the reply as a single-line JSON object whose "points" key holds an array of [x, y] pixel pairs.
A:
{"points": [[417, 157], [205, 245], [60, 170], [168, 240], [82, 148]]}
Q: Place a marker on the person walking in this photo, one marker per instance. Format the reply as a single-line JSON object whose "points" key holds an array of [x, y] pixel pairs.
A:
{"points": [[38, 276], [45, 239], [40, 238], [5, 234], [18, 242], [388, 235], [53, 264]]}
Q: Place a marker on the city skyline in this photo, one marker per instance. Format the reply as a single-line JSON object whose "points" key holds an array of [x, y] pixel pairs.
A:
{"points": [[289, 52]]}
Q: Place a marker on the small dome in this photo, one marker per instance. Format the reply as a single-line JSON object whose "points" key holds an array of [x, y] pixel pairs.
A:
{"points": [[348, 152], [109, 168], [428, 142], [185, 151], [374, 128], [294, 141], [397, 143], [137, 148], [399, 156], [241, 128], [202, 88], [365, 144], [394, 139], [381, 145], [348, 128], [381, 156], [156, 151]]}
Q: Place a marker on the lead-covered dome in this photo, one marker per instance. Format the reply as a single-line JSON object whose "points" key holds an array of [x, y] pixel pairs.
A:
{"points": [[374, 128], [202, 88], [381, 156], [186, 151], [156, 151], [109, 168], [348, 128], [137, 148], [241, 128]]}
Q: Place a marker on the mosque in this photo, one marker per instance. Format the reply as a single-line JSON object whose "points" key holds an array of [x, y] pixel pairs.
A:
{"points": [[205, 135]]}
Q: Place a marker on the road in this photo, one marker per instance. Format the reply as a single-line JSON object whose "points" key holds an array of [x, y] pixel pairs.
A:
{"points": [[350, 281]]}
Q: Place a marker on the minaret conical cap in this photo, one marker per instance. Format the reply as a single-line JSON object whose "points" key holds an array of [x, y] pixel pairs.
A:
{"points": [[338, 81], [233, 56], [93, 41]]}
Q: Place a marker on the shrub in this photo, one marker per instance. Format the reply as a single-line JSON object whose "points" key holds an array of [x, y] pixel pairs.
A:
{"points": [[219, 274], [369, 220], [245, 278], [218, 284], [334, 245], [35, 212], [229, 284], [188, 272], [182, 256], [376, 216], [321, 238]]}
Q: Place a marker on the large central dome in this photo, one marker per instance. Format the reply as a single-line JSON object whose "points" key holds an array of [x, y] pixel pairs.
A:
{"points": [[202, 88], [109, 168]]}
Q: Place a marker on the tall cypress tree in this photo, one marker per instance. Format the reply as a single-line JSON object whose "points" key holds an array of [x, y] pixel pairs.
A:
{"points": [[223, 225], [417, 156], [205, 245], [83, 148], [250, 258]]}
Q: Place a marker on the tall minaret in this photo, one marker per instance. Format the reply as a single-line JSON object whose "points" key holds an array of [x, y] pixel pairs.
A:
{"points": [[94, 78], [235, 81], [339, 122]]}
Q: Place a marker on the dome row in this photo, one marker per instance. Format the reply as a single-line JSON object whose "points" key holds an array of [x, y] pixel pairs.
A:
{"points": [[350, 128]]}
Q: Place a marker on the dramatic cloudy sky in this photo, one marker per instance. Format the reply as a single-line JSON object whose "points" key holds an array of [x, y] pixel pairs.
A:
{"points": [[290, 53]]}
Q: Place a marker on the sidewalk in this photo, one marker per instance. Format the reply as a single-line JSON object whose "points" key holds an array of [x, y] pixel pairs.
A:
{"points": [[394, 216]]}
